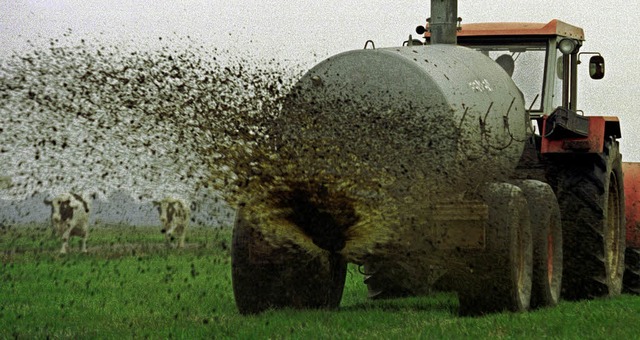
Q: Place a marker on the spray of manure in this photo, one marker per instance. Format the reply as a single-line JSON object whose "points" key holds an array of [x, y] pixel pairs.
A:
{"points": [[95, 118]]}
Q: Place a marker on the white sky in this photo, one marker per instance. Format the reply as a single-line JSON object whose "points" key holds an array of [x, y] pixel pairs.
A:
{"points": [[308, 31]]}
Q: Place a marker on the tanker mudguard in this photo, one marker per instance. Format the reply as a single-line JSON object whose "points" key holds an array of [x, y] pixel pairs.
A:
{"points": [[563, 134]]}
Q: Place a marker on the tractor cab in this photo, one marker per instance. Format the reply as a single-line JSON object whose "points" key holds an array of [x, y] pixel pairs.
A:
{"points": [[542, 59]]}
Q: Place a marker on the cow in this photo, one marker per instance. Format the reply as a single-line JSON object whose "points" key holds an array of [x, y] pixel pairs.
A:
{"points": [[70, 217], [174, 216]]}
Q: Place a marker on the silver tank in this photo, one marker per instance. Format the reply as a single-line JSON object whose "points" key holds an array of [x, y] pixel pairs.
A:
{"points": [[437, 119]]}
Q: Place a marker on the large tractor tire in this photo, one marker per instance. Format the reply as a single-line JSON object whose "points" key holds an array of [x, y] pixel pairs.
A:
{"points": [[265, 277], [546, 230], [631, 282], [499, 278], [591, 197]]}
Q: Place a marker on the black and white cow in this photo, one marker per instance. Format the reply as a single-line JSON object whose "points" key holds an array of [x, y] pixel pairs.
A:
{"points": [[174, 216], [70, 217]]}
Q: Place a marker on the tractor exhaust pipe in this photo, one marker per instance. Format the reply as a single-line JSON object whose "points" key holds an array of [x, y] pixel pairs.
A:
{"points": [[444, 21]]}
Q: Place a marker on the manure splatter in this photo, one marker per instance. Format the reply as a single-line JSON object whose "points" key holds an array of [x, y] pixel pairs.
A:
{"points": [[95, 118]]}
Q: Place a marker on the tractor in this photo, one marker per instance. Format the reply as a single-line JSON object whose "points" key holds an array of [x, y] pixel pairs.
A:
{"points": [[488, 179]]}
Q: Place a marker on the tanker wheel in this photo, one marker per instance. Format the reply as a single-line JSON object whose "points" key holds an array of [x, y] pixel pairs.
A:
{"points": [[591, 197], [631, 282], [546, 230], [381, 280], [500, 278], [265, 277]]}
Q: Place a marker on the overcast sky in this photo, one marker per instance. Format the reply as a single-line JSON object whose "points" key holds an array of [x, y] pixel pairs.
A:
{"points": [[305, 32]]}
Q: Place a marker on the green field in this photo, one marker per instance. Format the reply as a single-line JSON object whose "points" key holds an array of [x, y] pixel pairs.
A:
{"points": [[130, 285]]}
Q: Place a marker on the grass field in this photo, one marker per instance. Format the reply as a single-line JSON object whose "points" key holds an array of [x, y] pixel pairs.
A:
{"points": [[130, 285]]}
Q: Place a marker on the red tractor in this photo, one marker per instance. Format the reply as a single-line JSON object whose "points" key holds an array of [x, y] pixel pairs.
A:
{"points": [[507, 193]]}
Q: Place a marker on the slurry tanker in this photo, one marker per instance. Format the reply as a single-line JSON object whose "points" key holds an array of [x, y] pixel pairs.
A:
{"points": [[460, 161]]}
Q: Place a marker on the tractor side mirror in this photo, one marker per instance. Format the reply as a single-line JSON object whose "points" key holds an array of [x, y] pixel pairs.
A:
{"points": [[596, 67]]}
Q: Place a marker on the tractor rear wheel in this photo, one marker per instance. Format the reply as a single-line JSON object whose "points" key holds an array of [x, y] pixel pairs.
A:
{"points": [[546, 229], [500, 276], [591, 197], [267, 277]]}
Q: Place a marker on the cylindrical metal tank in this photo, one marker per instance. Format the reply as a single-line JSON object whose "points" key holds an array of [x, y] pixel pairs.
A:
{"points": [[439, 119]]}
